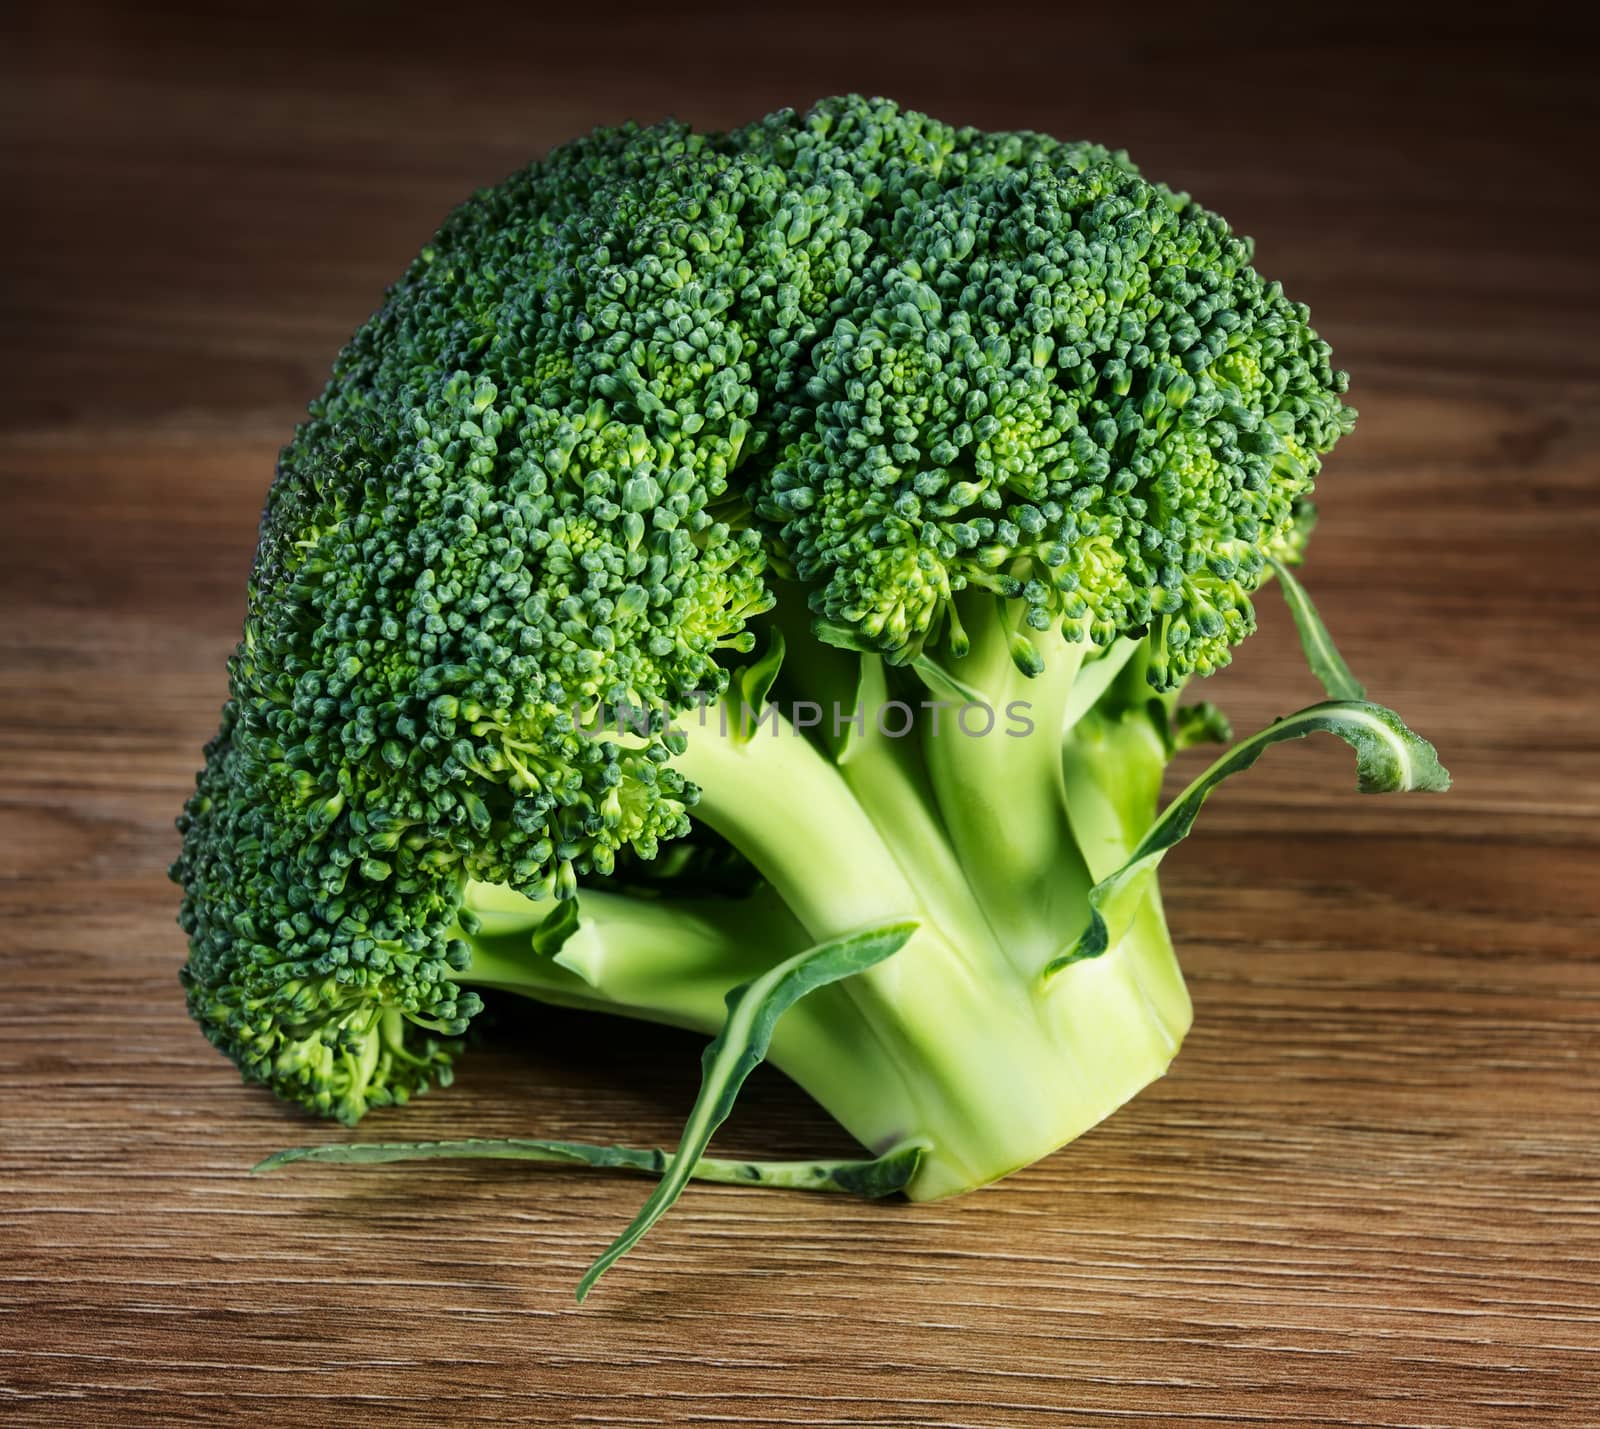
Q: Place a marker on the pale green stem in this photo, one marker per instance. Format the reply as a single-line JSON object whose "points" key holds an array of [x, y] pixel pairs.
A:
{"points": [[1001, 796]]}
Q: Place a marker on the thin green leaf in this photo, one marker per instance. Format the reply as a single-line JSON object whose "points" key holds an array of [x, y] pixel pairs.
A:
{"points": [[877, 1176], [562, 922], [753, 1012], [753, 683], [854, 739], [945, 682], [843, 637], [1327, 664], [1389, 759], [1096, 677]]}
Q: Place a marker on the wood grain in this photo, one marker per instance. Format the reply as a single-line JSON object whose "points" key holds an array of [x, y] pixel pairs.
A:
{"points": [[1366, 1194]]}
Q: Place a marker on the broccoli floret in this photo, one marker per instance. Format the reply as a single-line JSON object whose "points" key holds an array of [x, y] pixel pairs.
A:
{"points": [[720, 544], [1061, 390]]}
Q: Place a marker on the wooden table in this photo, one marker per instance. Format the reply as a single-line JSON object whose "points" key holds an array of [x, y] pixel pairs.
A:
{"points": [[1367, 1192]]}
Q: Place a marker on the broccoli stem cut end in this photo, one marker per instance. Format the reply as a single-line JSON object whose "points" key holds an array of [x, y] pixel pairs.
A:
{"points": [[993, 1084]]}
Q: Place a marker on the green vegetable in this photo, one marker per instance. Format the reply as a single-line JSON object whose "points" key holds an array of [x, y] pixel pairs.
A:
{"points": [[720, 547]]}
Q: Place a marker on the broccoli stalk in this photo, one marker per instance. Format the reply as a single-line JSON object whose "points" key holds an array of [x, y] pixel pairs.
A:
{"points": [[957, 1041], [991, 1038]]}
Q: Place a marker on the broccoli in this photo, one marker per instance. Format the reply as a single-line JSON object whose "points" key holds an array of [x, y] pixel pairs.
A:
{"points": [[737, 566]]}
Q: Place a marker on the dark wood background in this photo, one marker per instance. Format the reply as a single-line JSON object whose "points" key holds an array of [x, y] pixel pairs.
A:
{"points": [[1367, 1193]]}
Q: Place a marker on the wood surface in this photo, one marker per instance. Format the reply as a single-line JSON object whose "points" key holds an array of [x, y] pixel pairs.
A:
{"points": [[1367, 1192]]}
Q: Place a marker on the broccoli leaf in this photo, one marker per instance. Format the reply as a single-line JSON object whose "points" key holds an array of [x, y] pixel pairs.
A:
{"points": [[751, 686], [753, 1011], [877, 1176], [1389, 759], [1327, 664]]}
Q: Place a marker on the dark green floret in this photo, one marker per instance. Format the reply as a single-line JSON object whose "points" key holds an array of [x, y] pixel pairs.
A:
{"points": [[668, 441]]}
